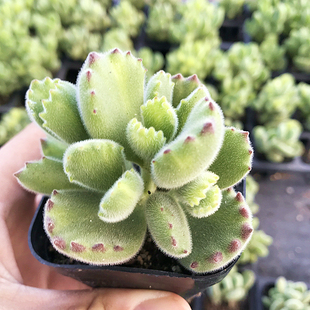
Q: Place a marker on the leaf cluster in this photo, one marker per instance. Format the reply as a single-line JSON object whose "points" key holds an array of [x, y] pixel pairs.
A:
{"points": [[174, 132], [279, 142], [277, 100], [233, 288], [287, 295]]}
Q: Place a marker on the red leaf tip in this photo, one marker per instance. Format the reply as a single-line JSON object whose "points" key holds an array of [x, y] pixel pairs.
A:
{"points": [[173, 241], [244, 212], [216, 258], [246, 231], [59, 243], [239, 197], [178, 76], [76, 247], [118, 248], [92, 57], [234, 246], [207, 128], [98, 247], [115, 51], [194, 265]]}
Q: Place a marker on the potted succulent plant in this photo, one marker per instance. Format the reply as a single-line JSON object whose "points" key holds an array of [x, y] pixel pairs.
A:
{"points": [[122, 158]]}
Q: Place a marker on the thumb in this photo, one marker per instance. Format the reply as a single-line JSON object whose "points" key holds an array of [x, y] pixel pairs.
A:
{"points": [[14, 296]]}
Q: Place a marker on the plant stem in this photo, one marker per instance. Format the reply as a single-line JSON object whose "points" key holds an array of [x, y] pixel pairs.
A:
{"points": [[149, 185]]}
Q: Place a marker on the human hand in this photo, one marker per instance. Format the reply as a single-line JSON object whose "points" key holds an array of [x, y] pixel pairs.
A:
{"points": [[26, 284]]}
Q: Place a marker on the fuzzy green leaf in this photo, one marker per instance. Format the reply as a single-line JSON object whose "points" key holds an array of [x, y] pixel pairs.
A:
{"points": [[186, 105], [236, 153], [71, 221], [110, 93], [53, 149], [94, 164], [168, 225], [44, 176], [220, 237], [61, 115], [120, 200], [158, 113], [192, 192], [194, 149], [183, 87], [159, 85], [38, 91], [208, 205], [145, 142]]}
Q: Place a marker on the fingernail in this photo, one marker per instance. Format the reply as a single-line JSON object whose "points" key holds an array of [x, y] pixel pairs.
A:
{"points": [[171, 303]]}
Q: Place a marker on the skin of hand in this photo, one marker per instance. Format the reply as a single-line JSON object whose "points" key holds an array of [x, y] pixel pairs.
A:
{"points": [[29, 285]]}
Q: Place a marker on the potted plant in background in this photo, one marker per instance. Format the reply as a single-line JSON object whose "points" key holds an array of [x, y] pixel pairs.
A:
{"points": [[122, 158]]}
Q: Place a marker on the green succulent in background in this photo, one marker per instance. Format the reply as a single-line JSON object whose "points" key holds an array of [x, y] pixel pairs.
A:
{"points": [[304, 103], [199, 20], [233, 123], [12, 123], [287, 295], [277, 100], [298, 47], [254, 5], [100, 207], [241, 71], [139, 4], [213, 92], [267, 19], [116, 37], [194, 58], [279, 142], [91, 14], [273, 54], [222, 67], [153, 61], [236, 94], [83, 23], [252, 188], [162, 16], [125, 16], [257, 247], [232, 8], [77, 42], [299, 15], [108, 3], [27, 49], [247, 58], [232, 289]]}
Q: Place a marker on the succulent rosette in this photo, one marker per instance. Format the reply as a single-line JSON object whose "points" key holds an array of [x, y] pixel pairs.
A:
{"points": [[122, 157]]}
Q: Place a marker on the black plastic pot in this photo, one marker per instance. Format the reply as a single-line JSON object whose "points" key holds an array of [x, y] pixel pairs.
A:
{"points": [[261, 287], [186, 285]]}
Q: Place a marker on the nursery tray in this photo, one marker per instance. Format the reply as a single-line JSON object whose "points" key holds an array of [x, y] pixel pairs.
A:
{"points": [[186, 285]]}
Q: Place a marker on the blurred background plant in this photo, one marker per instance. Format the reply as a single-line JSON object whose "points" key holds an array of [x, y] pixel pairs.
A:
{"points": [[298, 47], [304, 103], [28, 45], [279, 142], [277, 100], [273, 53], [12, 123], [232, 289], [287, 295]]}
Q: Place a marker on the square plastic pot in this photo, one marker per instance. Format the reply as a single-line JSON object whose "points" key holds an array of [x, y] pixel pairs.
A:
{"points": [[186, 285]]}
